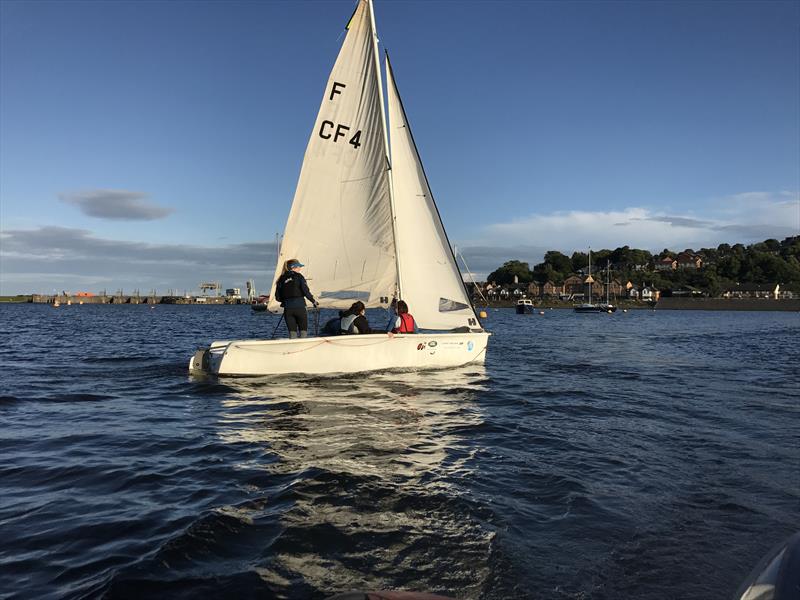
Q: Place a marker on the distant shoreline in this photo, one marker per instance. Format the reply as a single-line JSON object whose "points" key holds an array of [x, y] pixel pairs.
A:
{"points": [[118, 299], [735, 304]]}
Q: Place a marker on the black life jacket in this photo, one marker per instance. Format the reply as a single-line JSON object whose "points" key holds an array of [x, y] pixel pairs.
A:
{"points": [[289, 286]]}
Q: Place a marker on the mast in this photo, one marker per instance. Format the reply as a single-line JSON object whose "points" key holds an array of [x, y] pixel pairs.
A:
{"points": [[398, 292], [590, 276]]}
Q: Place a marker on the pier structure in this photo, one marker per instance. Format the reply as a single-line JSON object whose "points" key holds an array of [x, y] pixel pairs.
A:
{"points": [[136, 298]]}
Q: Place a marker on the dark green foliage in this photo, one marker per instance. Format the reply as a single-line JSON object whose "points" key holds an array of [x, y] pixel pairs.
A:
{"points": [[766, 262], [505, 274], [558, 262], [580, 260]]}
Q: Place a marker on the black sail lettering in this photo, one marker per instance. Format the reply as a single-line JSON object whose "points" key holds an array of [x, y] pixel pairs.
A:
{"points": [[334, 89], [340, 131], [322, 130]]}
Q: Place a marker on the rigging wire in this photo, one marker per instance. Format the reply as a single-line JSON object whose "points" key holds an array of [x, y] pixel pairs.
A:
{"points": [[474, 283]]}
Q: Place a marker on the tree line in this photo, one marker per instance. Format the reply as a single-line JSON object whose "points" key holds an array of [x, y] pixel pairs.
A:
{"points": [[723, 267]]}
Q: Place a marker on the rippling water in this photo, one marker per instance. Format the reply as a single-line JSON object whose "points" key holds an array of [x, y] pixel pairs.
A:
{"points": [[648, 454]]}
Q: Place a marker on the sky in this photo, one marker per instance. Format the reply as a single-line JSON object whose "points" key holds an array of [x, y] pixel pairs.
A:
{"points": [[156, 145]]}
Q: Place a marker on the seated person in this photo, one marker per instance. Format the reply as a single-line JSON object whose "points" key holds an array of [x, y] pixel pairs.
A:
{"points": [[354, 321], [403, 321]]}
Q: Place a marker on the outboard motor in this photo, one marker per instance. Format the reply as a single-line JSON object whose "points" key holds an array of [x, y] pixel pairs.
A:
{"points": [[777, 575]]}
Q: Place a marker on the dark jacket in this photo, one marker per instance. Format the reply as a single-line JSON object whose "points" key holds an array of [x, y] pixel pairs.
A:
{"points": [[359, 325], [291, 290]]}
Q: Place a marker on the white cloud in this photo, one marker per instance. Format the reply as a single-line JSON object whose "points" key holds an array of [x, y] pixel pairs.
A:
{"points": [[744, 218], [40, 260], [49, 258]]}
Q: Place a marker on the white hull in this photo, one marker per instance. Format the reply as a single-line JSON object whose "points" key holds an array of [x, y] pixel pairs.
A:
{"points": [[341, 354]]}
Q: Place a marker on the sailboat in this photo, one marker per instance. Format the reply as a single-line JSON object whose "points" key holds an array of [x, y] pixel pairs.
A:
{"points": [[607, 306], [364, 223], [588, 307]]}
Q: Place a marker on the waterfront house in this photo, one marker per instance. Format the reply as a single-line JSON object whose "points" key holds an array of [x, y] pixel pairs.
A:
{"points": [[754, 290], [666, 264], [491, 290], [615, 288], [574, 285], [633, 292], [549, 289], [650, 293], [685, 260]]}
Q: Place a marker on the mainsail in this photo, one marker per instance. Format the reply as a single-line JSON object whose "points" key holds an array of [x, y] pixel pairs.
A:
{"points": [[432, 283], [340, 224]]}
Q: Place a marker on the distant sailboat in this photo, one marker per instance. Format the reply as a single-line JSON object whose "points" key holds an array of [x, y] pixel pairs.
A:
{"points": [[588, 307], [364, 223], [607, 306]]}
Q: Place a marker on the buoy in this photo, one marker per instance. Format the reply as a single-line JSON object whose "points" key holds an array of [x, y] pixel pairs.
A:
{"points": [[541, 312], [482, 314], [624, 310], [609, 311]]}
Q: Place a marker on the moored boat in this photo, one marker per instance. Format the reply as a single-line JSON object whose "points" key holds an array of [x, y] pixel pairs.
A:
{"points": [[260, 304], [589, 307], [524, 306], [607, 306]]}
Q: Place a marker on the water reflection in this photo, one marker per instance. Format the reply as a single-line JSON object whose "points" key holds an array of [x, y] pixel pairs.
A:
{"points": [[390, 424], [373, 467]]}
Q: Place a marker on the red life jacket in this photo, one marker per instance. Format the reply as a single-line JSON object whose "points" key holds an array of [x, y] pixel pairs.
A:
{"points": [[406, 324]]}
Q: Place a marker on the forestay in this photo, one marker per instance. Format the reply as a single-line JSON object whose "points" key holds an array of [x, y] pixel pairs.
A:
{"points": [[340, 223], [432, 284]]}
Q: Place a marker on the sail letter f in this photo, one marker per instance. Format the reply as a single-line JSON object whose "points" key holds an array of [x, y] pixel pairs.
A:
{"points": [[335, 90]]}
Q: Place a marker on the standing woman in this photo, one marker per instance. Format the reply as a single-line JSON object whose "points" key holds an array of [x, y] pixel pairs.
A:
{"points": [[291, 290]]}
